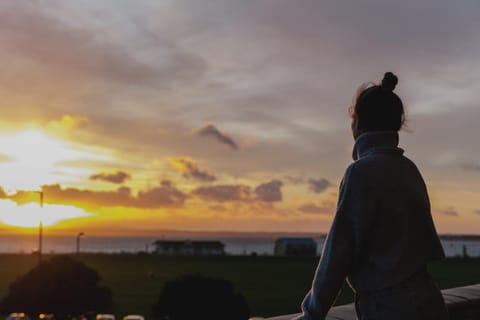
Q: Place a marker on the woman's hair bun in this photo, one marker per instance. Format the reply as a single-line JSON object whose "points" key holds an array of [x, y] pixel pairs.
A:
{"points": [[389, 81]]}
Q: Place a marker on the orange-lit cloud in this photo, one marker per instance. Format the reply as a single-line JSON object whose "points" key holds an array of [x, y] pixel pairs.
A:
{"points": [[319, 185], [67, 122], [3, 194], [189, 168], [327, 208], [270, 191], [217, 207], [165, 195], [322, 205], [294, 179]]}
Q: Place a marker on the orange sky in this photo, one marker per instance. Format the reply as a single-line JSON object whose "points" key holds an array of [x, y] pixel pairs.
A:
{"points": [[100, 190], [173, 115]]}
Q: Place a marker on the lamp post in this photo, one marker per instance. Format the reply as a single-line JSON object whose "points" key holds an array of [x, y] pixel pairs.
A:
{"points": [[40, 230], [79, 235]]}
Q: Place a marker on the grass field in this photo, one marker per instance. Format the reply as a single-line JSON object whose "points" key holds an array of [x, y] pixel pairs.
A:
{"points": [[271, 285]]}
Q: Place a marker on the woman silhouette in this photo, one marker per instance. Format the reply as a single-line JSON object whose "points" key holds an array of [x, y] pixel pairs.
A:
{"points": [[382, 236]]}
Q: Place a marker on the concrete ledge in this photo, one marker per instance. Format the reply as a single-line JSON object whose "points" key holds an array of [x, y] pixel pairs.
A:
{"points": [[463, 303]]}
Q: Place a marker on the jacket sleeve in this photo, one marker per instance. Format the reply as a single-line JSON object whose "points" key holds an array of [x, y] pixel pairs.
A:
{"points": [[349, 227]]}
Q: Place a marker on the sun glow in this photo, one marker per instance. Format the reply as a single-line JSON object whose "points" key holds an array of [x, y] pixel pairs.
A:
{"points": [[31, 158], [30, 214]]}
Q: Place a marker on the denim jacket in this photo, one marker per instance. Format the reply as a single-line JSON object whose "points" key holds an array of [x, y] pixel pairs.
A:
{"points": [[383, 230]]}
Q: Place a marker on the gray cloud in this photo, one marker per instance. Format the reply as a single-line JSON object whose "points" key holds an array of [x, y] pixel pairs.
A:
{"points": [[117, 177], [319, 185], [265, 192], [61, 49], [270, 191], [210, 130], [471, 166], [280, 76], [223, 193]]}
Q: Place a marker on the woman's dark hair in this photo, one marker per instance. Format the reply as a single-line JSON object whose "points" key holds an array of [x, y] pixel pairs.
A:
{"points": [[377, 108]]}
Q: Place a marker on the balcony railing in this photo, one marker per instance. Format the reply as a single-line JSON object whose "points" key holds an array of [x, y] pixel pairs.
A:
{"points": [[463, 303]]}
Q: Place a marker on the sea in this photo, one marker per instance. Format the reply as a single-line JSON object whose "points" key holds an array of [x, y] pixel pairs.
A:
{"points": [[454, 246]]}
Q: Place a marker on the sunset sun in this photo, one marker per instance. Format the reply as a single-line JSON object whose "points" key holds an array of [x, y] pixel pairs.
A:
{"points": [[31, 158], [29, 215]]}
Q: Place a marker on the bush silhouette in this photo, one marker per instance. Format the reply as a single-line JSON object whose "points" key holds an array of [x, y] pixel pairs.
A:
{"points": [[61, 285], [197, 297]]}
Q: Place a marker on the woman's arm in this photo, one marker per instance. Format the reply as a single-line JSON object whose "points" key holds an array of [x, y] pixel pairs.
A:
{"points": [[353, 214]]}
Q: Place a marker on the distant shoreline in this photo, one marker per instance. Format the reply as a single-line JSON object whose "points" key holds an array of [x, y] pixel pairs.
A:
{"points": [[190, 234], [235, 243], [463, 237]]}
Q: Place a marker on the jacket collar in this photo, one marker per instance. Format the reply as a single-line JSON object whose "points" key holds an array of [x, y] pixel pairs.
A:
{"points": [[376, 141]]}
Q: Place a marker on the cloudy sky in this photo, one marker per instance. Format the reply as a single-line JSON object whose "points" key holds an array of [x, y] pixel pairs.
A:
{"points": [[136, 116]]}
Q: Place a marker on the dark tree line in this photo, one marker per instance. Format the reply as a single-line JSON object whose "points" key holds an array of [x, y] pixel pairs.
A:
{"points": [[60, 285], [66, 287]]}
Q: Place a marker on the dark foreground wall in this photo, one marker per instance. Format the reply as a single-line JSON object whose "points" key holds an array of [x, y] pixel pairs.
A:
{"points": [[463, 304]]}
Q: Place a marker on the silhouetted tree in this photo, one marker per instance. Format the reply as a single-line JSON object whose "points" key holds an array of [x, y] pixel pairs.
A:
{"points": [[61, 285], [198, 297]]}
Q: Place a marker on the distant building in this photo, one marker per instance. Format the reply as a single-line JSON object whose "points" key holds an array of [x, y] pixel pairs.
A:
{"points": [[188, 248], [295, 247]]}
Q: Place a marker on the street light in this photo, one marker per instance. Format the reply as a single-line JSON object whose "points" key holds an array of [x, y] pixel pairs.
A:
{"points": [[80, 234]]}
